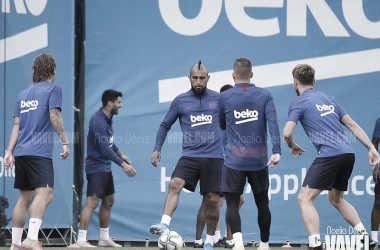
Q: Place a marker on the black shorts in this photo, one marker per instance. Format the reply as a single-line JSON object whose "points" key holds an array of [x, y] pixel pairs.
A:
{"points": [[32, 172], [208, 171], [377, 187], [100, 184], [326, 173], [233, 181]]}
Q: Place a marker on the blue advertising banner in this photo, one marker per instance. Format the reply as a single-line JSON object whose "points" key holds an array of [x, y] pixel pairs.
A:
{"points": [[145, 49], [28, 29]]}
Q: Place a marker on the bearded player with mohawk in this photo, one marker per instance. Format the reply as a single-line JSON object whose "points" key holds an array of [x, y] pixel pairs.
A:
{"points": [[202, 150]]}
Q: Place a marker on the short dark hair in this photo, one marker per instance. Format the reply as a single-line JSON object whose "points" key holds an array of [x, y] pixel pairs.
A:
{"points": [[304, 73], [44, 67], [110, 95], [242, 68], [225, 87]]}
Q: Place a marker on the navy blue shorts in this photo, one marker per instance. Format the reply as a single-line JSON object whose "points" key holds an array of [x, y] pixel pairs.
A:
{"points": [[377, 187], [208, 171], [233, 181], [326, 173], [32, 172], [100, 184]]}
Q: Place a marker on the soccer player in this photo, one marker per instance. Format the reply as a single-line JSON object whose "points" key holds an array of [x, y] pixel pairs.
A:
{"points": [[37, 115], [227, 240], [101, 150], [202, 154], [321, 116], [245, 111], [375, 216]]}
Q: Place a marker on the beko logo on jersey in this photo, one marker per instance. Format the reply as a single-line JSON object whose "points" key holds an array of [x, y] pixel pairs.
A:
{"points": [[247, 115], [200, 119], [329, 109], [31, 105]]}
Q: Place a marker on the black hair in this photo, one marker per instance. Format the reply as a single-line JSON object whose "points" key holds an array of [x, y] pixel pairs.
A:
{"points": [[225, 87], [110, 95]]}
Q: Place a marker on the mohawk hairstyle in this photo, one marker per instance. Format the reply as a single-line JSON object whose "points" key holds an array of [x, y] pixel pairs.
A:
{"points": [[199, 64]]}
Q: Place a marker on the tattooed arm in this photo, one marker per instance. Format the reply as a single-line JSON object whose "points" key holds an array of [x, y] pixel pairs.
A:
{"points": [[57, 122]]}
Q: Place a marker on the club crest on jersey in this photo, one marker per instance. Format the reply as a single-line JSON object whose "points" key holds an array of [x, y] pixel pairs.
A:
{"points": [[31, 105], [202, 119], [326, 109], [111, 141], [212, 105], [247, 115]]}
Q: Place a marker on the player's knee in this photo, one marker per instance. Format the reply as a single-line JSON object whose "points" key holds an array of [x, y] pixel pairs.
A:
{"points": [[377, 202], [212, 199], [48, 198], [335, 200], [301, 200], [92, 202], [175, 185]]}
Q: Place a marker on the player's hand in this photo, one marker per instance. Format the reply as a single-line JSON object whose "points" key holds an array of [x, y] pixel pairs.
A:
{"points": [[376, 175], [155, 158], [274, 160], [126, 159], [66, 152], [296, 150], [8, 160], [128, 169], [373, 157]]}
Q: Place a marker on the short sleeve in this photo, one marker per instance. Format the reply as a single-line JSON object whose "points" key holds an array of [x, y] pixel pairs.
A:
{"points": [[17, 110], [376, 131], [339, 110], [55, 98], [295, 111]]}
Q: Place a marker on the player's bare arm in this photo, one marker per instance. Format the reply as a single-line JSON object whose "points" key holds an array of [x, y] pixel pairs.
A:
{"points": [[57, 122], [359, 133], [274, 160], [128, 169], [8, 158], [294, 148], [155, 158]]}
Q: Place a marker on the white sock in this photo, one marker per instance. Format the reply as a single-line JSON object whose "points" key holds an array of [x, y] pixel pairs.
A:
{"points": [[225, 234], [199, 241], [82, 235], [105, 233], [238, 238], [216, 237], [209, 239], [314, 240], [166, 219], [374, 235], [360, 229], [230, 242], [34, 228], [264, 245], [17, 235]]}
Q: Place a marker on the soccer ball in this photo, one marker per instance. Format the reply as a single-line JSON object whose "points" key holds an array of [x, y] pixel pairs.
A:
{"points": [[170, 240]]}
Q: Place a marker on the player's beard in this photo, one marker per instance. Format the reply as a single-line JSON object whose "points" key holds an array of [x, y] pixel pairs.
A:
{"points": [[115, 111], [297, 92], [198, 92]]}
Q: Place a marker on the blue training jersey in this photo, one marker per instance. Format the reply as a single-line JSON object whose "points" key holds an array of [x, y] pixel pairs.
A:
{"points": [[245, 111], [100, 147], [198, 117], [320, 117], [36, 133]]}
